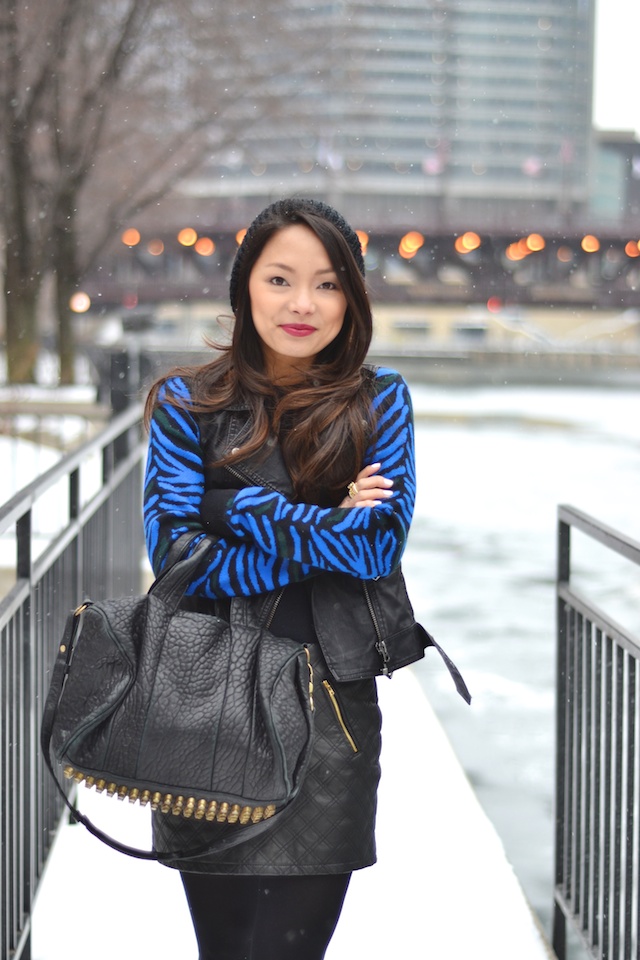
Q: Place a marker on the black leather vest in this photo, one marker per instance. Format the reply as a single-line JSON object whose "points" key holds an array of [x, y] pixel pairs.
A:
{"points": [[365, 627]]}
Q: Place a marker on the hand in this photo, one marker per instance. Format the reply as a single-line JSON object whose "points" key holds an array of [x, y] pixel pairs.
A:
{"points": [[373, 489]]}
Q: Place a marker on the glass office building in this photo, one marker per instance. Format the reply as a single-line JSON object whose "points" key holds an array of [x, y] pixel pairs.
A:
{"points": [[458, 113]]}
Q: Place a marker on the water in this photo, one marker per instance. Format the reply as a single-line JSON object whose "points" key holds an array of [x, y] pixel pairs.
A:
{"points": [[493, 464]]}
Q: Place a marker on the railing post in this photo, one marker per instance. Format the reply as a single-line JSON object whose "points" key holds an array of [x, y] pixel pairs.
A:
{"points": [[25, 744], [23, 547], [77, 555], [74, 494], [564, 551], [559, 935], [559, 941]]}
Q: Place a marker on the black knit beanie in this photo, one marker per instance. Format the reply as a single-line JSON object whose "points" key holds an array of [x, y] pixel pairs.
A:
{"points": [[287, 210]]}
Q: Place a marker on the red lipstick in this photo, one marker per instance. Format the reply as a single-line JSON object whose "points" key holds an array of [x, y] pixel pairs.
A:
{"points": [[298, 329]]}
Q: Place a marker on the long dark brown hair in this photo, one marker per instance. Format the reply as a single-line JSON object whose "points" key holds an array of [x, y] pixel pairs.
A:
{"points": [[322, 419]]}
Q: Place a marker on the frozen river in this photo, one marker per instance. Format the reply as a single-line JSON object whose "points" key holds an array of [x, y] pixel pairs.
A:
{"points": [[493, 464]]}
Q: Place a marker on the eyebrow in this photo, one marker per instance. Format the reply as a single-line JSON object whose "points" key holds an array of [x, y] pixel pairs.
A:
{"points": [[284, 266]]}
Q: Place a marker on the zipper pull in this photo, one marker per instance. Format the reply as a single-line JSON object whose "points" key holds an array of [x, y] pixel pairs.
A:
{"points": [[381, 647], [310, 666]]}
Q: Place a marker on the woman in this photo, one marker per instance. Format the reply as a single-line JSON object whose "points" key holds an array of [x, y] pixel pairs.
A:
{"points": [[297, 462]]}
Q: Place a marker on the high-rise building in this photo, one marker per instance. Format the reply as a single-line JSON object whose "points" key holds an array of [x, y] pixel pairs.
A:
{"points": [[454, 113]]}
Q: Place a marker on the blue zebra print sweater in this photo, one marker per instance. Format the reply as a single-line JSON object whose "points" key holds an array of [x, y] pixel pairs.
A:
{"points": [[271, 541]]}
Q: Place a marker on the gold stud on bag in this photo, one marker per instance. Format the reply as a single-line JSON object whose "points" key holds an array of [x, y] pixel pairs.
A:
{"points": [[145, 699], [219, 810]]}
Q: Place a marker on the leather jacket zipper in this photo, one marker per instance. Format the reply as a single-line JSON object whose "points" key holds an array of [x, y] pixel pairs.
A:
{"points": [[272, 611], [381, 646], [338, 712], [251, 481]]}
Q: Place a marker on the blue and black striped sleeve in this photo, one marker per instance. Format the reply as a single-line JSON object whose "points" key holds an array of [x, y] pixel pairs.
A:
{"points": [[174, 487]]}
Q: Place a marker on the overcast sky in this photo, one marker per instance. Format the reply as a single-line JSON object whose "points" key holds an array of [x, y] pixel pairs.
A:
{"points": [[617, 62]]}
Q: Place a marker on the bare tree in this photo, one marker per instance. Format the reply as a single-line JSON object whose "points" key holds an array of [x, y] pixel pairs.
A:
{"points": [[105, 106]]}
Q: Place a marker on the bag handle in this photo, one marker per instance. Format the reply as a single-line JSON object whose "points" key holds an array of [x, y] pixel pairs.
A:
{"points": [[172, 581]]}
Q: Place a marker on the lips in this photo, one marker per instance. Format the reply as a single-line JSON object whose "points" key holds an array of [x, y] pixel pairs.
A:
{"points": [[298, 329]]}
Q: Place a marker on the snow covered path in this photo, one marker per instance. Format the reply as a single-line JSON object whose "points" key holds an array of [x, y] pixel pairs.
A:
{"points": [[442, 889]]}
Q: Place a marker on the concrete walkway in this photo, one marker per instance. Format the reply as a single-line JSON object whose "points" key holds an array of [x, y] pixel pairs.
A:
{"points": [[442, 889]]}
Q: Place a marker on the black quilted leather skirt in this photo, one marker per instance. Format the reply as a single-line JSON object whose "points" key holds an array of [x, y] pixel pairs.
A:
{"points": [[329, 827]]}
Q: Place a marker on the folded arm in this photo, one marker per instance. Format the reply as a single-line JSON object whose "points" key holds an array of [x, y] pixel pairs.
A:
{"points": [[363, 542]]}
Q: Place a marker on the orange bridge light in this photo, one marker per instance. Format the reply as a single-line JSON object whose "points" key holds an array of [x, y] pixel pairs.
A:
{"points": [[187, 237], [130, 237], [410, 244]]}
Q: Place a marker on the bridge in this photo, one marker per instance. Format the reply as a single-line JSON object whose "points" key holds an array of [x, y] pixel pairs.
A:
{"points": [[404, 265]]}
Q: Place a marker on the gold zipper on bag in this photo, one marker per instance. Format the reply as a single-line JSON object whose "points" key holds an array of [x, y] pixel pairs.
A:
{"points": [[310, 666], [338, 712]]}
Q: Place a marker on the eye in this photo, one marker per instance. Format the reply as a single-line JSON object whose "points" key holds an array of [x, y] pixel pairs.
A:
{"points": [[278, 281], [329, 285]]}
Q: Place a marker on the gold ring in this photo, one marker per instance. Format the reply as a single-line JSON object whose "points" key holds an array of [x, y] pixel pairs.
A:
{"points": [[353, 490]]}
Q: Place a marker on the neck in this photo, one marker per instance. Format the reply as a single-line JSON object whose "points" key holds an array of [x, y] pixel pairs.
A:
{"points": [[285, 374]]}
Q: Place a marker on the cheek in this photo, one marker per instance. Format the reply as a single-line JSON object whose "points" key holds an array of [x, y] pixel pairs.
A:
{"points": [[341, 314]]}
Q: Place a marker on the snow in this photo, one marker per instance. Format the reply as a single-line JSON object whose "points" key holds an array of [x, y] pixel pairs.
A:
{"points": [[32, 442], [442, 887]]}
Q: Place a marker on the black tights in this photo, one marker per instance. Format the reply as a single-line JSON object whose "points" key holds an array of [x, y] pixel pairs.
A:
{"points": [[264, 918]]}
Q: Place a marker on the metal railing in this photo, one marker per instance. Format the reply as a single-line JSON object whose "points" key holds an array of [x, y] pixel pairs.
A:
{"points": [[74, 532], [597, 874]]}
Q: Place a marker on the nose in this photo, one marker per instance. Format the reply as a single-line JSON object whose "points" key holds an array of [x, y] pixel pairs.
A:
{"points": [[302, 302]]}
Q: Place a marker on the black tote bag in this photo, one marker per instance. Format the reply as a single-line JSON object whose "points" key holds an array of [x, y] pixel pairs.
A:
{"points": [[196, 716]]}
